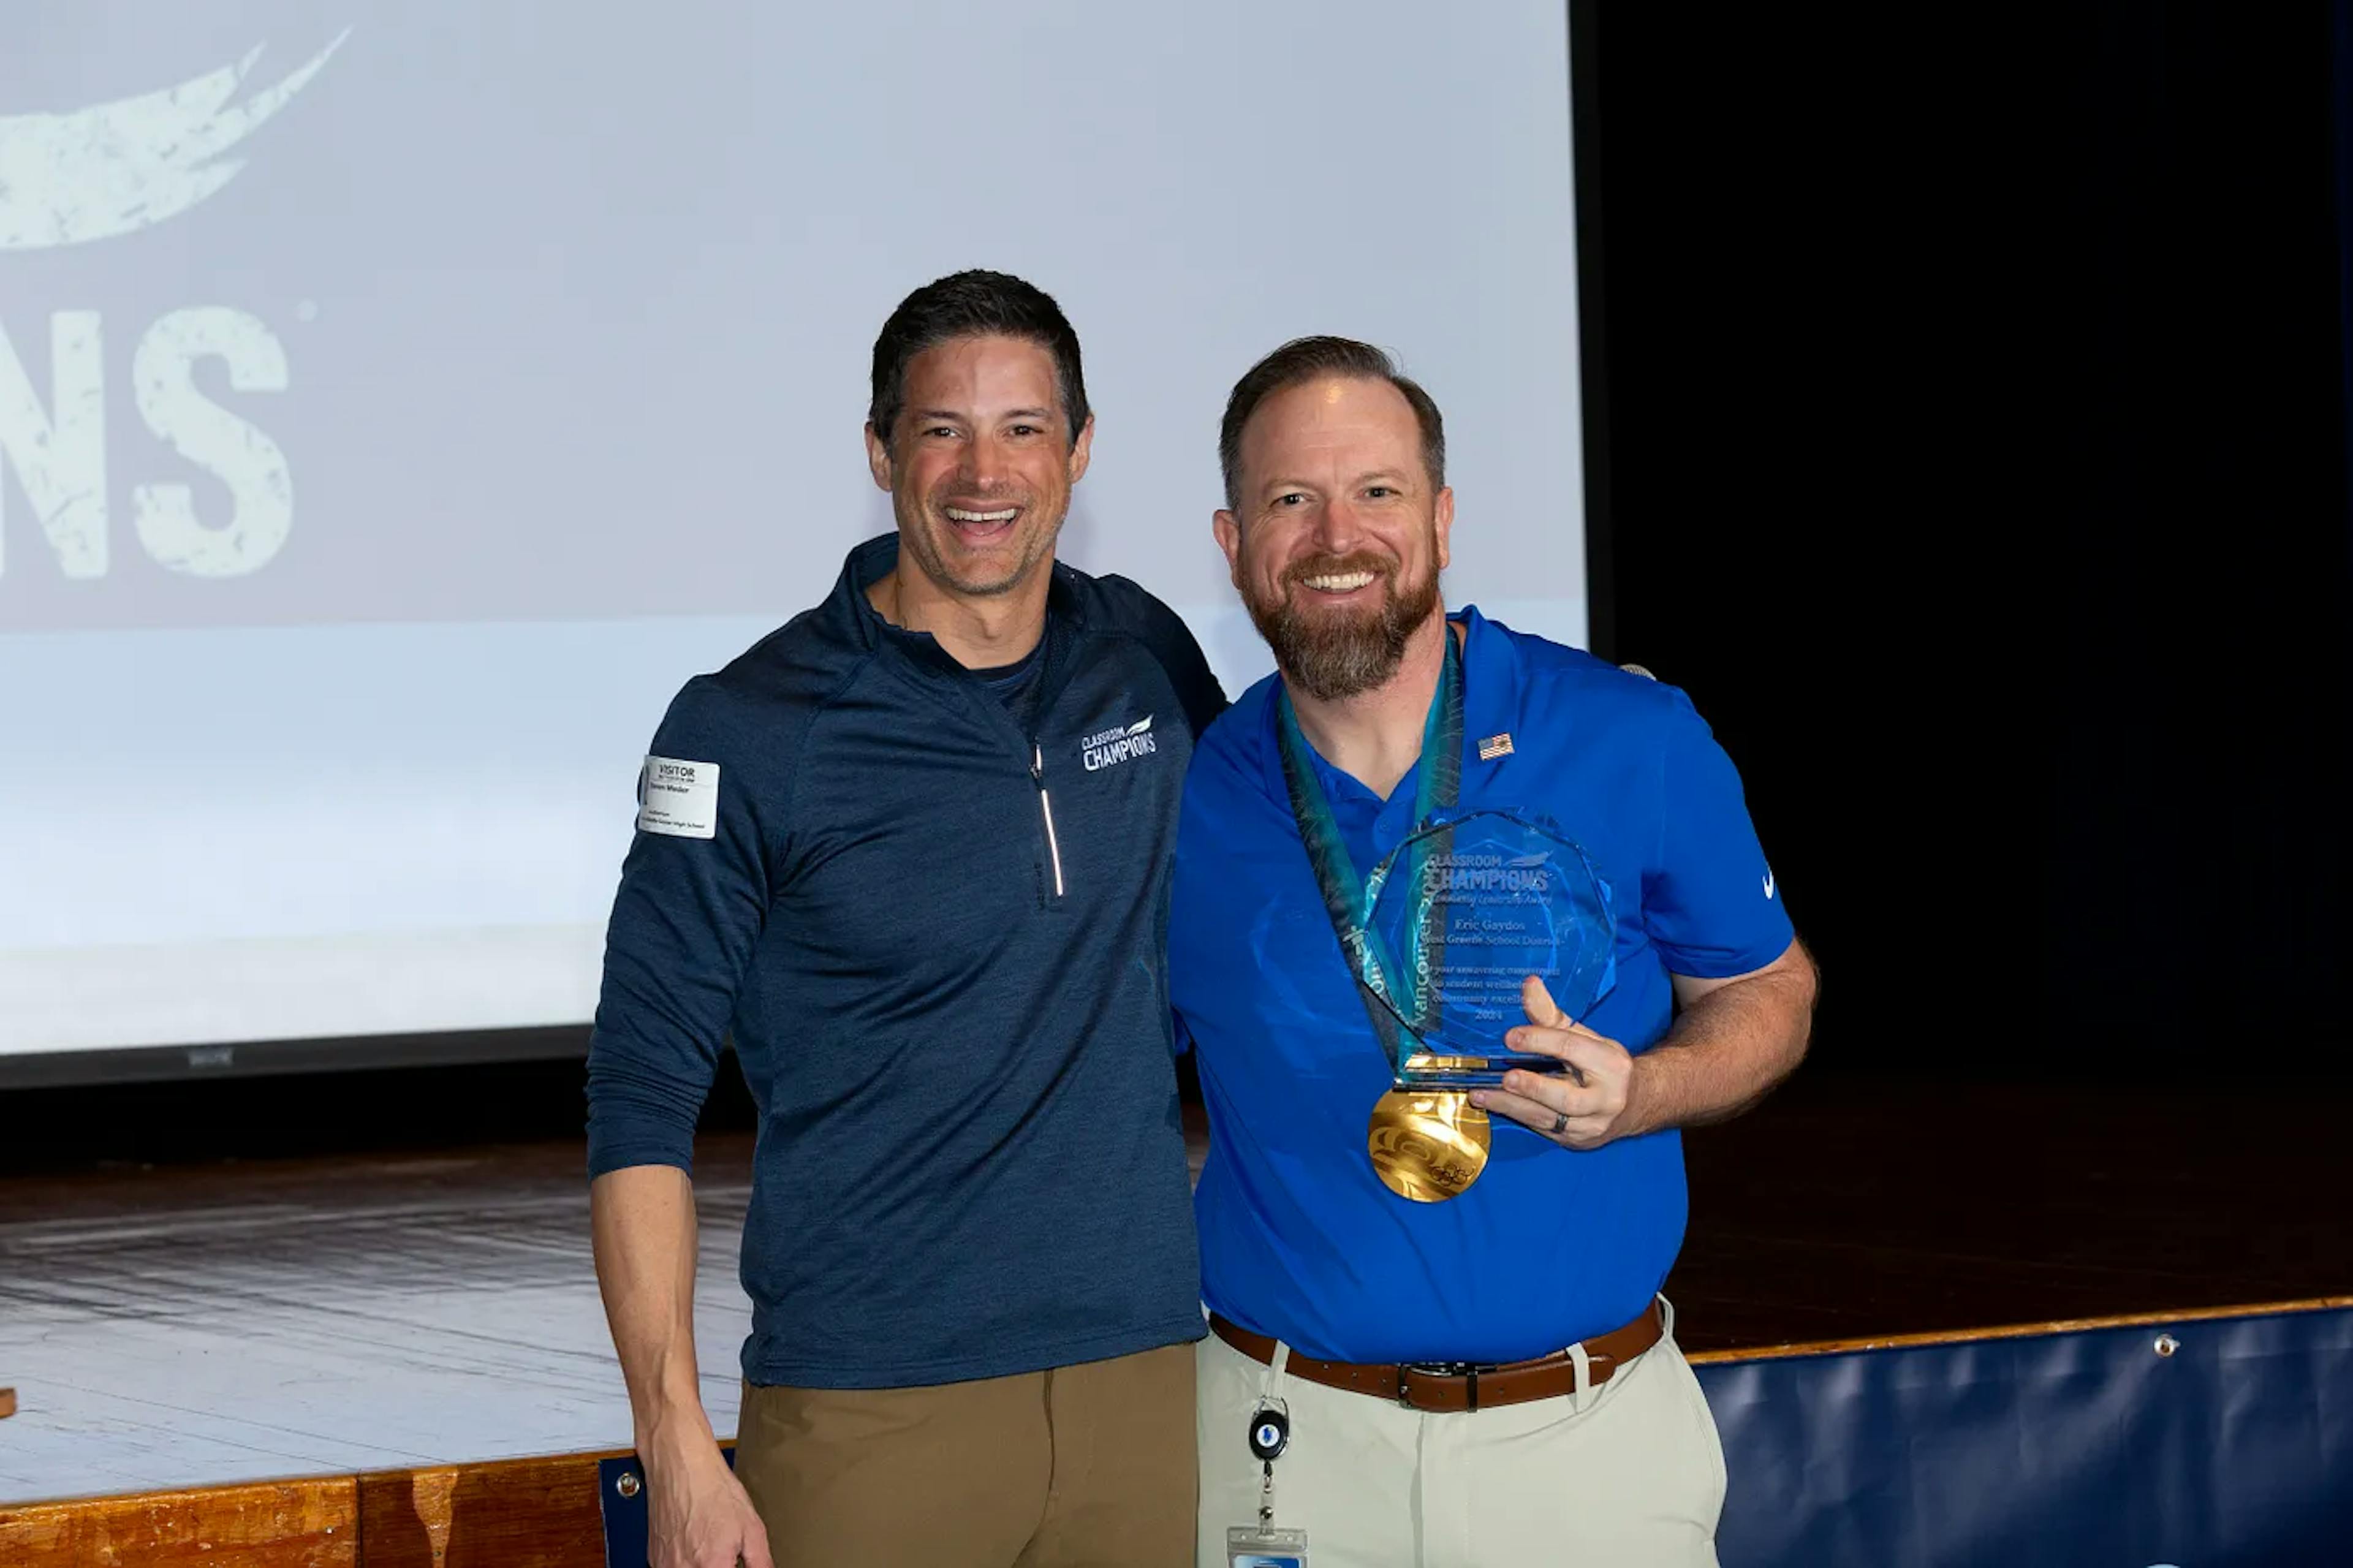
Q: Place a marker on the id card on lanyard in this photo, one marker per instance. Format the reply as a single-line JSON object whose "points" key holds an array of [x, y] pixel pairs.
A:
{"points": [[1261, 1545], [1252, 1547]]}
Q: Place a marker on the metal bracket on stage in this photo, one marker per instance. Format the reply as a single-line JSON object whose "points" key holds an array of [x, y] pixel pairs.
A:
{"points": [[621, 1497]]}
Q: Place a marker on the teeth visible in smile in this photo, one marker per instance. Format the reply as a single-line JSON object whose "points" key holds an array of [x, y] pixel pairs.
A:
{"points": [[1348, 582], [958, 514]]}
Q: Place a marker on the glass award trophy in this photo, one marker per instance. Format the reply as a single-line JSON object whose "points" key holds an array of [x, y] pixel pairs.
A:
{"points": [[1457, 916]]}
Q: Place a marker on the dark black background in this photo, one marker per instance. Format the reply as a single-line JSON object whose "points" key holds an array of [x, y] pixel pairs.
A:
{"points": [[1972, 393], [1967, 435]]}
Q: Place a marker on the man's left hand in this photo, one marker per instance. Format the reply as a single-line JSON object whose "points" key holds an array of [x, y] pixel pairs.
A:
{"points": [[1596, 1100]]}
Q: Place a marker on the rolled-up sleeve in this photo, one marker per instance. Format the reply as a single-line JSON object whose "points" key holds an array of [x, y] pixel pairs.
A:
{"points": [[693, 897]]}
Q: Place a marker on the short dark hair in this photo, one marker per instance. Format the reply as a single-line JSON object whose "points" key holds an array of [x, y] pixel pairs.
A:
{"points": [[1303, 359], [973, 304]]}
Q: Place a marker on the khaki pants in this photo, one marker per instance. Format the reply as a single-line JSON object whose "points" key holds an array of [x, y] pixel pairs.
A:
{"points": [[1632, 1478], [1080, 1466]]}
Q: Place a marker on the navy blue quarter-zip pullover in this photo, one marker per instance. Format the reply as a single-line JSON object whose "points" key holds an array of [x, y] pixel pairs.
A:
{"points": [[936, 934]]}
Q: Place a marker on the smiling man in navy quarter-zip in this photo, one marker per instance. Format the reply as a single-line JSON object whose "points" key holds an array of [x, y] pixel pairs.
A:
{"points": [[912, 852]]}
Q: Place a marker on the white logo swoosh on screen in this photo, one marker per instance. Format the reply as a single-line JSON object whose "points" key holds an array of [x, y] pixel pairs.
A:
{"points": [[116, 168]]}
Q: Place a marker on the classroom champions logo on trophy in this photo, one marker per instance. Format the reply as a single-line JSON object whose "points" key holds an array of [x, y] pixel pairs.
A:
{"points": [[102, 172], [1465, 909]]}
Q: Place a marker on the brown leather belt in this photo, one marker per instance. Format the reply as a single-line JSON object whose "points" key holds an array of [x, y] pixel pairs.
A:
{"points": [[1450, 1387]]}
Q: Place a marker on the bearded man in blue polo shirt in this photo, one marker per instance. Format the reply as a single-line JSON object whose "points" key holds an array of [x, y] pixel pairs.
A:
{"points": [[1477, 1369]]}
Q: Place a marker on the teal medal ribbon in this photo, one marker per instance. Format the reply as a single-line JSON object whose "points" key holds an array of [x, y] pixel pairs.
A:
{"points": [[1348, 896]]}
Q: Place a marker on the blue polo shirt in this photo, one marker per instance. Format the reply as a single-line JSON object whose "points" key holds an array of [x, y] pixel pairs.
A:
{"points": [[1298, 1238]]}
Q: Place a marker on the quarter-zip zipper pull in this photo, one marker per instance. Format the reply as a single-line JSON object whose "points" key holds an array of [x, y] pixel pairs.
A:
{"points": [[1046, 804]]}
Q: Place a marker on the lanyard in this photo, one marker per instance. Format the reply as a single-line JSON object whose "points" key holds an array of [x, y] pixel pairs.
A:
{"points": [[1345, 896]]}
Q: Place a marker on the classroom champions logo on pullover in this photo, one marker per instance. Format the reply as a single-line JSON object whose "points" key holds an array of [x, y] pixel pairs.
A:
{"points": [[1109, 748]]}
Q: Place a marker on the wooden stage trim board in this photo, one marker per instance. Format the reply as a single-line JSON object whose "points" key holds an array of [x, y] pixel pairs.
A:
{"points": [[2017, 1330], [272, 1524], [545, 1512], [514, 1513]]}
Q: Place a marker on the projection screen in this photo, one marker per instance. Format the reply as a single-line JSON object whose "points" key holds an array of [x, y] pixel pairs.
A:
{"points": [[399, 401]]}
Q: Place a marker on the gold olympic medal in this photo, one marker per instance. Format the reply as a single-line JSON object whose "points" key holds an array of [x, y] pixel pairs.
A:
{"points": [[1427, 1145]]}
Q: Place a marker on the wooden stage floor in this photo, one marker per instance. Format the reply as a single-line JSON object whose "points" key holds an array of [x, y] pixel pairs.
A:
{"points": [[177, 1327], [193, 1325]]}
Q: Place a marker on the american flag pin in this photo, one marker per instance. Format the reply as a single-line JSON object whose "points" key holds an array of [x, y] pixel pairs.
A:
{"points": [[1495, 746]]}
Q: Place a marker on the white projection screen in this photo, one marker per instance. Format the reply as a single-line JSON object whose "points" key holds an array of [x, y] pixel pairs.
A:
{"points": [[399, 400]]}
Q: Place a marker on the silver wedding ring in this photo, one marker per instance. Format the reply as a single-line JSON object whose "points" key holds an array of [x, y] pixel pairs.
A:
{"points": [[1559, 1122]]}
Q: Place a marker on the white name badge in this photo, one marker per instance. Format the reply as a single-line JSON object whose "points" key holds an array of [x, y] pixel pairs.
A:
{"points": [[678, 797]]}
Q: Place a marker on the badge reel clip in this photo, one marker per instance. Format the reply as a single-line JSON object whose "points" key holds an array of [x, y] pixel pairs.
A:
{"points": [[1262, 1545]]}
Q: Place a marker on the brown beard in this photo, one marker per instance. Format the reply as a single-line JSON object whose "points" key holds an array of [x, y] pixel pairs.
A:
{"points": [[1331, 656]]}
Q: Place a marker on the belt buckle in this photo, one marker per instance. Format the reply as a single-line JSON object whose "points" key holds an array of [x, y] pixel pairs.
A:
{"points": [[1468, 1371]]}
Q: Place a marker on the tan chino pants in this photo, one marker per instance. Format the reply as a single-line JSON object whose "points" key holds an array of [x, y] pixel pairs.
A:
{"points": [[1079, 1467]]}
